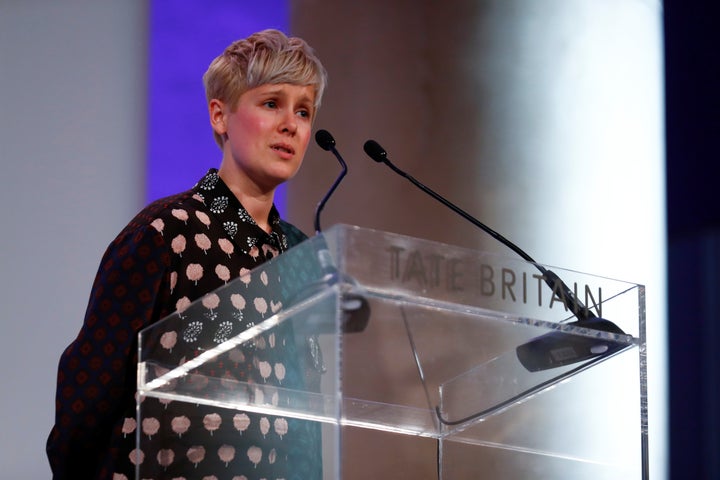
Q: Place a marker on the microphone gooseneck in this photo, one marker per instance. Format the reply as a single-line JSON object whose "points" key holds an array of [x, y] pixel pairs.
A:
{"points": [[548, 351], [354, 306], [326, 141], [378, 153]]}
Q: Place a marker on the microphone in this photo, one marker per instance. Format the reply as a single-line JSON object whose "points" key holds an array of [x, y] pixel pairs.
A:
{"points": [[327, 142], [550, 350], [354, 305]]}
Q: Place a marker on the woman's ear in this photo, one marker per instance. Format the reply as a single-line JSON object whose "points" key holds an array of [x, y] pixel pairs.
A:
{"points": [[218, 121]]}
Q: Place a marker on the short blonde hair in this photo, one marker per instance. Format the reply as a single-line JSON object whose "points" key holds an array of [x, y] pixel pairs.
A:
{"points": [[266, 57]]}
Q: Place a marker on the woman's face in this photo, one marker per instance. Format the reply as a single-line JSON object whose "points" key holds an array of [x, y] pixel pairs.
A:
{"points": [[266, 135]]}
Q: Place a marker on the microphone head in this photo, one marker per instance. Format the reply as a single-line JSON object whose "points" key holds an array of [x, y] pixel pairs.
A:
{"points": [[375, 151], [324, 139]]}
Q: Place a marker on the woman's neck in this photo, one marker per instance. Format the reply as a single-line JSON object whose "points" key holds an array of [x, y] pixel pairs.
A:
{"points": [[258, 204]]}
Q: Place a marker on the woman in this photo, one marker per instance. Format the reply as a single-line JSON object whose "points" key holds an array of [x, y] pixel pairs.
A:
{"points": [[263, 93]]}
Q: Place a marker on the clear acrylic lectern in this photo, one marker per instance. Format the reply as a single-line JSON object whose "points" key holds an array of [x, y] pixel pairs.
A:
{"points": [[481, 354]]}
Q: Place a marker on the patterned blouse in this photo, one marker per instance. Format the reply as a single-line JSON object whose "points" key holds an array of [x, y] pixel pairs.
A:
{"points": [[175, 251]]}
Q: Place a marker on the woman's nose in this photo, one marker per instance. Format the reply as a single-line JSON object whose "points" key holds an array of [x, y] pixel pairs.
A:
{"points": [[289, 123]]}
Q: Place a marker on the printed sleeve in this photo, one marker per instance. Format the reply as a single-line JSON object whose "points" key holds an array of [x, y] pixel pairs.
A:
{"points": [[97, 371]]}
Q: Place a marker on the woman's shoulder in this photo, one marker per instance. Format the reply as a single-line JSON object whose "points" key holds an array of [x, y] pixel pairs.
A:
{"points": [[165, 217]]}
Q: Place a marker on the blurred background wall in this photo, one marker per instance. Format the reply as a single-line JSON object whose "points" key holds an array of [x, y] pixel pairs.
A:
{"points": [[72, 147], [553, 137], [543, 119]]}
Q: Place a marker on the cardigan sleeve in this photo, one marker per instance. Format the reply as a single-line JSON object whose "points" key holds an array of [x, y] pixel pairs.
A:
{"points": [[96, 369]]}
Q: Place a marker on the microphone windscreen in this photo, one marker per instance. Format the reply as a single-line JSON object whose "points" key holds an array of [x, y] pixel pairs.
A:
{"points": [[324, 139], [375, 151]]}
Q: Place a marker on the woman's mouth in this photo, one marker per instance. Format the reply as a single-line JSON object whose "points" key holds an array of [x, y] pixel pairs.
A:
{"points": [[283, 148]]}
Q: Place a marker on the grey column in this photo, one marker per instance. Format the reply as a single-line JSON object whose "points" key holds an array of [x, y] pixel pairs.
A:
{"points": [[72, 148]]}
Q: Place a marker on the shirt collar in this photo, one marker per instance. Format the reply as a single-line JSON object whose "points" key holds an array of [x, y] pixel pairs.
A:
{"points": [[239, 226]]}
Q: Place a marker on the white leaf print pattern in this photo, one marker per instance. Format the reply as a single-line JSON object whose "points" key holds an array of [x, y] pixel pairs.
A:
{"points": [[236, 356], [209, 181], [275, 307], [137, 456], [178, 245], [264, 426], [203, 217], [261, 306], [254, 455], [226, 246], [239, 303], [196, 454], [281, 427], [237, 300], [245, 276], [222, 272], [280, 372], [245, 216], [223, 332], [265, 370], [226, 454], [211, 301], [165, 457], [150, 426], [168, 340], [231, 228], [182, 304], [212, 422], [241, 422], [219, 204], [203, 242], [192, 332], [180, 425], [180, 214], [129, 425], [194, 272], [158, 225]]}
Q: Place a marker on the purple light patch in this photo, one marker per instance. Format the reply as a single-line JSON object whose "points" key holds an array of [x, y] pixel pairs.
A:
{"points": [[185, 36]]}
